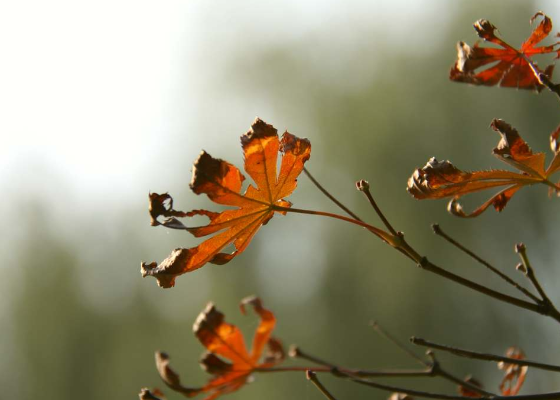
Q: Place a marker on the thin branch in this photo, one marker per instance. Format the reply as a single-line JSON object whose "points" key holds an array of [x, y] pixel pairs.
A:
{"points": [[363, 186], [530, 273], [312, 376], [483, 356], [330, 196], [377, 328], [398, 242], [429, 395], [296, 352], [435, 367], [376, 231], [438, 231]]}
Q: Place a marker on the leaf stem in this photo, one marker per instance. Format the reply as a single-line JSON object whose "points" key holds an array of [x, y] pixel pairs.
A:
{"points": [[330, 196], [438, 231], [434, 367], [376, 231], [483, 356]]}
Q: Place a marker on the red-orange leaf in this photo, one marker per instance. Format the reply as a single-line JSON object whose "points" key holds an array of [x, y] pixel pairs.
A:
{"points": [[439, 180], [221, 182], [223, 342], [514, 374], [506, 65]]}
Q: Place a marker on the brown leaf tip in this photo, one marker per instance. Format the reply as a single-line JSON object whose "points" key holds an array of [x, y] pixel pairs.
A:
{"points": [[484, 29], [214, 365], [207, 321], [160, 204], [259, 130], [296, 146], [205, 169], [511, 141], [146, 394], [435, 173], [166, 271], [253, 301]]}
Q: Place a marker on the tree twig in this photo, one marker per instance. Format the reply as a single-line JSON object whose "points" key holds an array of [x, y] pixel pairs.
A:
{"points": [[312, 376], [434, 366], [530, 273], [438, 231], [296, 352], [330, 196], [363, 186], [429, 395], [483, 356]]}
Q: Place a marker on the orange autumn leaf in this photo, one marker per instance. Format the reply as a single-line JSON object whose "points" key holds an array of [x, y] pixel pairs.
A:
{"points": [[506, 65], [440, 179], [221, 182], [223, 342], [514, 374]]}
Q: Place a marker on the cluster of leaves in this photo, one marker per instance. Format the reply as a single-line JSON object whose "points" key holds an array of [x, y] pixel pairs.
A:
{"points": [[223, 340], [227, 358]]}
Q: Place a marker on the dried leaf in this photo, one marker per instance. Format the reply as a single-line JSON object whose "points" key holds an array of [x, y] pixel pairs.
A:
{"points": [[514, 374], [221, 182], [437, 180], [146, 394], [225, 341], [506, 65]]}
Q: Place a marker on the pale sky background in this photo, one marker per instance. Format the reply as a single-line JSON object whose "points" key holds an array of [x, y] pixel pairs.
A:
{"points": [[91, 90]]}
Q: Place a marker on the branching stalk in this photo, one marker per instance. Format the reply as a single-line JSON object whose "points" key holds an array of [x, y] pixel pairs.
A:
{"points": [[483, 356], [330, 196], [438, 231]]}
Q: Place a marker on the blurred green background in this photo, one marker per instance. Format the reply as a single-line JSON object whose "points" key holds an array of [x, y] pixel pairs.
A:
{"points": [[105, 101]]}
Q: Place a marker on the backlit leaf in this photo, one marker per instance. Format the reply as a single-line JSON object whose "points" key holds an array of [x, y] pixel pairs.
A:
{"points": [[514, 374], [221, 182], [504, 66], [441, 179], [227, 357]]}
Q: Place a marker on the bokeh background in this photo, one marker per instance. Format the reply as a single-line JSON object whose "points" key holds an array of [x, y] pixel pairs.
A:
{"points": [[105, 101]]}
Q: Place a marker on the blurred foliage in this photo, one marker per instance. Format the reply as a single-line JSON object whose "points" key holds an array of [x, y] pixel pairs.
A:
{"points": [[78, 320]]}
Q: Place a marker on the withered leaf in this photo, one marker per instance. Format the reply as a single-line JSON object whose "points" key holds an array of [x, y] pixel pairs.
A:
{"points": [[221, 182], [146, 394], [514, 374], [223, 342], [506, 65], [441, 179]]}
